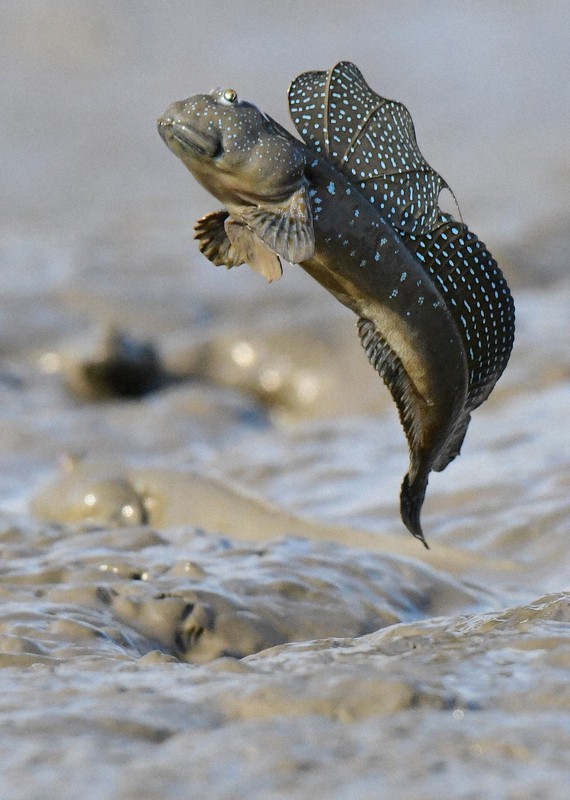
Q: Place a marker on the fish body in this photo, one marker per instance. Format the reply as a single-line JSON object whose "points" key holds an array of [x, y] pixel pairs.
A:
{"points": [[405, 327], [368, 229]]}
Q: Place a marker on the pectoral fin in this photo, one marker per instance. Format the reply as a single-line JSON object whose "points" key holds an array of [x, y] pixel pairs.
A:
{"points": [[213, 240], [258, 234], [227, 242], [285, 227], [253, 251]]}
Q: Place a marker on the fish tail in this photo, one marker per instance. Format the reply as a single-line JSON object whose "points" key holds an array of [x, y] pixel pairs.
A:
{"points": [[412, 497]]}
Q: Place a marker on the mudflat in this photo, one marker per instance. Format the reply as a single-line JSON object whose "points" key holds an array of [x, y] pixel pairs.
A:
{"points": [[206, 586]]}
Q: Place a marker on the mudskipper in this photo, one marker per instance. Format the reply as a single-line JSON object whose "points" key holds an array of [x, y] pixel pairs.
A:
{"points": [[355, 204]]}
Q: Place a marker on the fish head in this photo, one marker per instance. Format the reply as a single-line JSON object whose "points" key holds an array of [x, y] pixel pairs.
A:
{"points": [[238, 154]]}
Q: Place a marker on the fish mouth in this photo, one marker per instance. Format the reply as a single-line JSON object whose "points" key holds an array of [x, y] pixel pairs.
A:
{"points": [[173, 131]]}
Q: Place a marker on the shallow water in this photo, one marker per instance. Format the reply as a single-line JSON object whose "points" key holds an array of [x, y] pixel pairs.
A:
{"points": [[207, 590]]}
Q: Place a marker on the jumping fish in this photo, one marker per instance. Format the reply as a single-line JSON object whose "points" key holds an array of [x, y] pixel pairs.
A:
{"points": [[356, 205]]}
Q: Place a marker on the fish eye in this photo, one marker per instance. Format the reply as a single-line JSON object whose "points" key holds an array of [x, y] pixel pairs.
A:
{"points": [[228, 97]]}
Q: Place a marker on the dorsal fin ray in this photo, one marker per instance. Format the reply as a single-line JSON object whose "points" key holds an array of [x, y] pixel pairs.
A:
{"points": [[372, 140]]}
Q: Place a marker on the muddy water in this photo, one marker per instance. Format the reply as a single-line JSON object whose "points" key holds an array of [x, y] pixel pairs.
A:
{"points": [[206, 589]]}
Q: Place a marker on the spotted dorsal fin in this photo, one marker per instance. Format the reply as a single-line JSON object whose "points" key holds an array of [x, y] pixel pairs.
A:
{"points": [[372, 140], [477, 296]]}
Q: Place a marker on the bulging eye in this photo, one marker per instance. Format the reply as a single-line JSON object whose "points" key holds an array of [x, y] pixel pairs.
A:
{"points": [[228, 97]]}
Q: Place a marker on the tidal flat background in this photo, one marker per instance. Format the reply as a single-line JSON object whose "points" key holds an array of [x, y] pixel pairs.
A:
{"points": [[207, 590]]}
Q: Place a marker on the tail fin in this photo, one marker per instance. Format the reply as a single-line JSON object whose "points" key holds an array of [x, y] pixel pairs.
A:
{"points": [[411, 500]]}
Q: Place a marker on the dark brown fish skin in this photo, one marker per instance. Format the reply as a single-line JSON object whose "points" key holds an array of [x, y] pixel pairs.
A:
{"points": [[359, 258], [408, 311]]}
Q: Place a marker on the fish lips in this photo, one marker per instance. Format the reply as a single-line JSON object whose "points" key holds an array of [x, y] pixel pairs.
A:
{"points": [[189, 139]]}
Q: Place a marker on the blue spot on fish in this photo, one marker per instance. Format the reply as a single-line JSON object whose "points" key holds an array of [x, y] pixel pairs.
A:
{"points": [[331, 187]]}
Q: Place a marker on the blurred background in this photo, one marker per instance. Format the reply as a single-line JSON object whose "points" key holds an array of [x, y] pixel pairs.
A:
{"points": [[82, 83]]}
